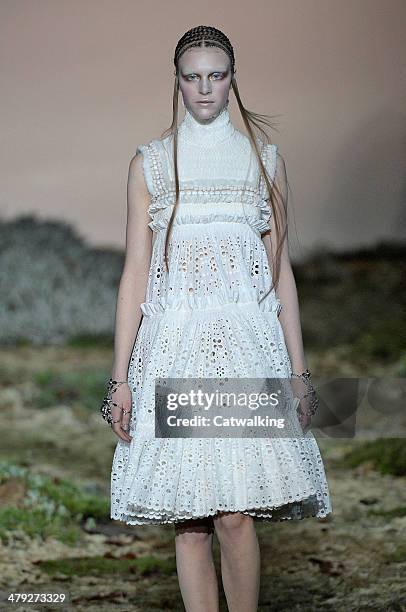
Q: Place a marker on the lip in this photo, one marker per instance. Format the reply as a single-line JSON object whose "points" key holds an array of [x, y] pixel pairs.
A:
{"points": [[205, 102]]}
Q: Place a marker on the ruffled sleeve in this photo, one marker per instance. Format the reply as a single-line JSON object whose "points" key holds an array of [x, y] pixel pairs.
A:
{"points": [[147, 167]]}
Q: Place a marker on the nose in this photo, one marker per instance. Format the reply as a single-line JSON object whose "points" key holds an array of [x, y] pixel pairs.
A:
{"points": [[205, 86]]}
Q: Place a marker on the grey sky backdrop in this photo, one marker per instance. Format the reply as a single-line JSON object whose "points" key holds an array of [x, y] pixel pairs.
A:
{"points": [[85, 81]]}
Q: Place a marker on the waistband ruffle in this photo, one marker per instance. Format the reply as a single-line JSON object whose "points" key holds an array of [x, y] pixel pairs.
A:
{"points": [[191, 302]]}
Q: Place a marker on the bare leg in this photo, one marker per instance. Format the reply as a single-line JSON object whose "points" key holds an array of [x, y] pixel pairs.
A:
{"points": [[240, 560], [195, 566]]}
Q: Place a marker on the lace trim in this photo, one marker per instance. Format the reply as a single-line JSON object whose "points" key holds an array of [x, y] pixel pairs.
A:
{"points": [[150, 515], [230, 212], [149, 179], [157, 169], [199, 193]]}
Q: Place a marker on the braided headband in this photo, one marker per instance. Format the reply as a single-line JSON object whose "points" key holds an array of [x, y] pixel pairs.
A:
{"points": [[207, 34]]}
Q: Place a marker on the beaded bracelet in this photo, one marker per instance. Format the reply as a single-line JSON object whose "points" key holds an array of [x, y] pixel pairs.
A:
{"points": [[108, 401], [305, 376]]}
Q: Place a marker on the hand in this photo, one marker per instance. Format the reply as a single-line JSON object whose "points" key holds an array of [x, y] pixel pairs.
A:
{"points": [[122, 412], [306, 394], [305, 419]]}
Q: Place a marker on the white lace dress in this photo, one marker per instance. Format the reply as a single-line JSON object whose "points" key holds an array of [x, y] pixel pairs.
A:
{"points": [[204, 320]]}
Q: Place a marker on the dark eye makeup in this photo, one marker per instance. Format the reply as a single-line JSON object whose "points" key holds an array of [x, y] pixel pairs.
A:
{"points": [[218, 73]]}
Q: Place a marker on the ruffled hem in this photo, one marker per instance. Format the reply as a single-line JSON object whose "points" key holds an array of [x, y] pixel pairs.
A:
{"points": [[172, 480], [192, 302], [294, 511]]}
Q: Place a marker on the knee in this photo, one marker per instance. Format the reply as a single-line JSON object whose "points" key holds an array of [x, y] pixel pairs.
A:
{"points": [[194, 533], [230, 525], [185, 538]]}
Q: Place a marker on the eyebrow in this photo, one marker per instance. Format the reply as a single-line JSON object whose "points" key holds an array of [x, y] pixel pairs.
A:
{"points": [[194, 72]]}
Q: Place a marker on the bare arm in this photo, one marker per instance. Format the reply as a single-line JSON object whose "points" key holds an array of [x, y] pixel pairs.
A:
{"points": [[286, 288], [134, 278]]}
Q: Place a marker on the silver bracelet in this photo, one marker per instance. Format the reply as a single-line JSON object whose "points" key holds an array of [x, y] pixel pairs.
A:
{"points": [[107, 403], [305, 376]]}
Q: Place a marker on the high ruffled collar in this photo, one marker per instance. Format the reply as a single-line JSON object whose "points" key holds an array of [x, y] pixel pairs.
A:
{"points": [[195, 133]]}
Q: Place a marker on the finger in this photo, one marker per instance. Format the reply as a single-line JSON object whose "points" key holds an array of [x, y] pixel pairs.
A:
{"points": [[126, 419], [119, 431], [123, 436], [125, 427]]}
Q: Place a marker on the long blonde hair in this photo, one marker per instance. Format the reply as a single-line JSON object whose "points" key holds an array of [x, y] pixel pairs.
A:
{"points": [[210, 36]]}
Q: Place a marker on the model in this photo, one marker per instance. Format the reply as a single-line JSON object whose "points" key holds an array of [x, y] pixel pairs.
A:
{"points": [[207, 291]]}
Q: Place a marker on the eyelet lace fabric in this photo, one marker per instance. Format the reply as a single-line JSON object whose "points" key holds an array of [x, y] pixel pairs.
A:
{"points": [[207, 318]]}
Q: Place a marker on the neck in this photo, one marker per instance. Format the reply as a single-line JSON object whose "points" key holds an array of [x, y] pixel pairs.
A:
{"points": [[195, 133]]}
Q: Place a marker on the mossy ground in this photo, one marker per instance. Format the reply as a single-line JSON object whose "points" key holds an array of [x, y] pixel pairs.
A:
{"points": [[55, 533]]}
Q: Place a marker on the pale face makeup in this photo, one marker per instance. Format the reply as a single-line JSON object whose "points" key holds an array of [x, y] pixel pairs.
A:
{"points": [[205, 74]]}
